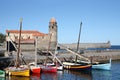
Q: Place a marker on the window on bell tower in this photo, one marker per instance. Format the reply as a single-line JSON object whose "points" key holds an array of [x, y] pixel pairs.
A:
{"points": [[52, 27]]}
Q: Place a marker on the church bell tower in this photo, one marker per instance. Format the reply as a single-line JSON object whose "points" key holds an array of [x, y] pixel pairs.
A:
{"points": [[53, 33]]}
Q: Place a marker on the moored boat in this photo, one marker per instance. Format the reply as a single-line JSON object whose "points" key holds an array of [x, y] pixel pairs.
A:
{"points": [[2, 73], [35, 69], [17, 70], [20, 71], [77, 67], [74, 65]]}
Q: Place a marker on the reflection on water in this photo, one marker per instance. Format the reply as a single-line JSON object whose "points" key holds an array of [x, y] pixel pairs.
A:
{"points": [[60, 75], [73, 75], [35, 77], [66, 75], [17, 78]]}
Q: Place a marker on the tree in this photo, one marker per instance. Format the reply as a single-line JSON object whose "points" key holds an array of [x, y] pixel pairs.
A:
{"points": [[2, 37]]}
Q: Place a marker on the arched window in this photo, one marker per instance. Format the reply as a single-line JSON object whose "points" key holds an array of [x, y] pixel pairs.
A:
{"points": [[42, 37], [52, 27], [16, 37]]}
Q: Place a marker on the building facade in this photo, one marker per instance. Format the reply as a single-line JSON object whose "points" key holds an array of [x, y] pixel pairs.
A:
{"points": [[29, 37]]}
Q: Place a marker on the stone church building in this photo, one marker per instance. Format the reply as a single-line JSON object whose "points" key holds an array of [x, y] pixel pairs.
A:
{"points": [[30, 37]]}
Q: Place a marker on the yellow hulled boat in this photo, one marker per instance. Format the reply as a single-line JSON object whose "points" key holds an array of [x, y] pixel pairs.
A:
{"points": [[13, 71], [20, 73], [17, 70]]}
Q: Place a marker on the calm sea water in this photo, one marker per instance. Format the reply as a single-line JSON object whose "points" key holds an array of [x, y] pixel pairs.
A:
{"points": [[113, 74]]}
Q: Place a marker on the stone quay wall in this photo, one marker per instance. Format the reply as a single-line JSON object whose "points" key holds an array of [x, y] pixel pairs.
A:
{"points": [[29, 56]]}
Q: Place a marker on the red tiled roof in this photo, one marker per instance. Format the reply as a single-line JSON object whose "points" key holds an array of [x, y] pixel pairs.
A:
{"points": [[35, 33], [39, 34]]}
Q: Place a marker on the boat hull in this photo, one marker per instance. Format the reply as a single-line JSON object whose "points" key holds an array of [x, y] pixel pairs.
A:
{"points": [[102, 66], [36, 70], [106, 66], [79, 67], [49, 69], [18, 78], [59, 68], [20, 73], [2, 73]]}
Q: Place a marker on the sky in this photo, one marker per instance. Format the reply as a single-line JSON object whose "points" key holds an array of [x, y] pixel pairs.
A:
{"points": [[100, 18]]}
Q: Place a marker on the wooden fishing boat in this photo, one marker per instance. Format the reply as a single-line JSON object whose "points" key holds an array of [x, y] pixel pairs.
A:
{"points": [[35, 69], [2, 73], [50, 67], [33, 66], [102, 66], [77, 66], [17, 70], [13, 71], [74, 65]]}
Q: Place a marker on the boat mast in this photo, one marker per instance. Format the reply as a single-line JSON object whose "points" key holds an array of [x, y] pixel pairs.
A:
{"points": [[78, 41], [17, 58], [35, 51], [75, 53]]}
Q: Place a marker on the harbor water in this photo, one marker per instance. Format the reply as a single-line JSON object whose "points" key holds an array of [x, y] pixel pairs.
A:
{"points": [[113, 74]]}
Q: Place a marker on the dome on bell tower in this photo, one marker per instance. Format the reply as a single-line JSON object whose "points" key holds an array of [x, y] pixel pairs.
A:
{"points": [[52, 20]]}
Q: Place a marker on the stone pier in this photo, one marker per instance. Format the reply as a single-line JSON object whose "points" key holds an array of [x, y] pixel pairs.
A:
{"points": [[29, 56]]}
